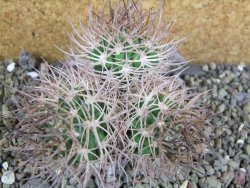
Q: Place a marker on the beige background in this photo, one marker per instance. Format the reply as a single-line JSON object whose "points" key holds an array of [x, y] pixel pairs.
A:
{"points": [[217, 30]]}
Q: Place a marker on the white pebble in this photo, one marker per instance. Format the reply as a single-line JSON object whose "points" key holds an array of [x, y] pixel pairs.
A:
{"points": [[11, 67], [241, 66], [206, 151], [243, 170], [241, 127], [184, 184], [5, 165], [8, 177], [227, 157], [240, 141], [33, 74]]}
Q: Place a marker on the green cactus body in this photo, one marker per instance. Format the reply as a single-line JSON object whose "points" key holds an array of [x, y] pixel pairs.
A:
{"points": [[120, 56], [144, 129], [85, 114]]}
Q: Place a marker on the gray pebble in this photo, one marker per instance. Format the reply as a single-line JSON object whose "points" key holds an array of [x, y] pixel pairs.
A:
{"points": [[222, 93], [246, 149], [194, 177], [248, 170], [205, 68], [226, 178], [200, 171], [193, 184], [220, 108], [248, 140], [234, 164], [218, 165], [246, 108], [229, 76], [218, 131], [209, 170], [212, 182]]}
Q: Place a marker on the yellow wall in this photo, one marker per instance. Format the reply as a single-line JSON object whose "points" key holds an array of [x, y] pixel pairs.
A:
{"points": [[217, 30]]}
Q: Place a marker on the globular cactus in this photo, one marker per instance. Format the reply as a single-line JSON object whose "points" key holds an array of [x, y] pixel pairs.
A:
{"points": [[163, 125], [124, 44], [69, 124], [117, 102]]}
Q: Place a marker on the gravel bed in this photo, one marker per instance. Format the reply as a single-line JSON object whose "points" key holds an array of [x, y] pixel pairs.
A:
{"points": [[226, 164]]}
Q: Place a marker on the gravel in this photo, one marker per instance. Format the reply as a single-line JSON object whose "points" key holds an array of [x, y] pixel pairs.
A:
{"points": [[225, 164]]}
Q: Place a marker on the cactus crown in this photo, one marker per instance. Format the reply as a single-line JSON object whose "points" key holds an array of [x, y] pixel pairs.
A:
{"points": [[124, 43], [113, 103]]}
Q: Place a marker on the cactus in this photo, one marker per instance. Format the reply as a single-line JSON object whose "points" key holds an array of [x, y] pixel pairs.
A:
{"points": [[116, 102], [71, 117]]}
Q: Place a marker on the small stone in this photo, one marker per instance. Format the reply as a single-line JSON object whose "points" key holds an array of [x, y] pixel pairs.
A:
{"points": [[217, 165], [222, 93], [201, 182], [218, 131], [220, 108], [200, 171], [227, 177], [224, 168], [209, 170], [32, 74], [246, 108], [190, 82], [227, 157], [246, 149], [241, 66], [240, 141], [205, 68], [248, 170], [224, 160], [247, 117], [213, 182], [212, 65], [11, 67], [241, 126], [8, 177], [234, 164], [193, 184], [240, 177], [184, 184], [215, 80], [229, 76], [5, 165], [194, 178]]}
